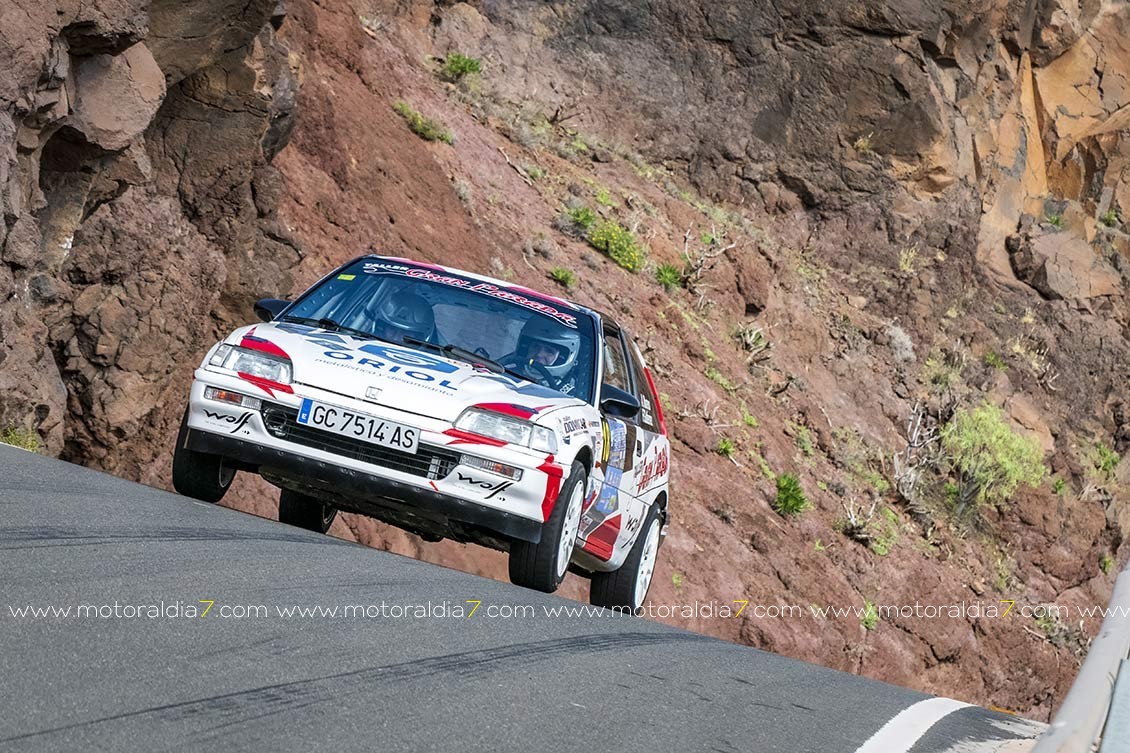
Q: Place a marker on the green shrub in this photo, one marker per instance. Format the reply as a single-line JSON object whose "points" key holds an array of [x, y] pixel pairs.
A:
{"points": [[907, 259], [870, 618], [1059, 486], [1105, 460], [1109, 218], [582, 217], [457, 65], [19, 437], [725, 447], [763, 465], [790, 498], [803, 438], [885, 533], [669, 276], [720, 379], [1106, 564], [990, 458], [619, 243], [575, 221], [994, 360], [940, 373], [425, 128], [563, 277]]}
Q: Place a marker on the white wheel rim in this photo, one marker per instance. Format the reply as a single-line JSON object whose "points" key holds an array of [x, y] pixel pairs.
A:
{"points": [[569, 528], [647, 564]]}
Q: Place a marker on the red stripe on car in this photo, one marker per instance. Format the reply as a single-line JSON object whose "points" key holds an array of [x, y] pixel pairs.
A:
{"points": [[553, 473], [263, 346], [509, 409], [468, 437], [655, 397], [601, 542], [267, 385]]}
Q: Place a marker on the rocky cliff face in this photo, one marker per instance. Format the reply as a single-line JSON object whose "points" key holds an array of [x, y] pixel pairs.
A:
{"points": [[135, 141], [907, 203]]}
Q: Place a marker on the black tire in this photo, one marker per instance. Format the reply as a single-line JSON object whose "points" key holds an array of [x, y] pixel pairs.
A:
{"points": [[617, 589], [304, 511], [539, 566], [197, 474]]}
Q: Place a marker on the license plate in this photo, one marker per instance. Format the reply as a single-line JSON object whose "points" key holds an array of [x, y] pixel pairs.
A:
{"points": [[360, 426]]}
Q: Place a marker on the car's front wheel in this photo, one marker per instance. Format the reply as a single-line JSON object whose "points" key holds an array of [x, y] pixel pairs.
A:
{"points": [[626, 588], [304, 511], [542, 566], [197, 474]]}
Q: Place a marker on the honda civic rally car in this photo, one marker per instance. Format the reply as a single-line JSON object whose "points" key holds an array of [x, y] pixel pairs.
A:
{"points": [[448, 404]]}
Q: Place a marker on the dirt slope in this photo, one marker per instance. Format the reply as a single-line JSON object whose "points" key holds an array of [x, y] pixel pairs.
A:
{"points": [[912, 203]]}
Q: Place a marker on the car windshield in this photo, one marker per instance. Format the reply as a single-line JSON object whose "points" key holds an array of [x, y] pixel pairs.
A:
{"points": [[538, 339]]}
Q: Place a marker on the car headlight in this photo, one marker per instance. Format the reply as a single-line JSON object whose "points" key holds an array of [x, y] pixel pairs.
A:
{"points": [[251, 362], [507, 429]]}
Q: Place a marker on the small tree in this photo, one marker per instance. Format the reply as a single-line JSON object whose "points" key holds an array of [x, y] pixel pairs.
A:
{"points": [[990, 458]]}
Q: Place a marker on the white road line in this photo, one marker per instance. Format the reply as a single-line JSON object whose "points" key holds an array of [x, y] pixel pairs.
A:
{"points": [[905, 728]]}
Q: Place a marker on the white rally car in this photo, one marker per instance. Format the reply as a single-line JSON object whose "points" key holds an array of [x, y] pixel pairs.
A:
{"points": [[451, 405]]}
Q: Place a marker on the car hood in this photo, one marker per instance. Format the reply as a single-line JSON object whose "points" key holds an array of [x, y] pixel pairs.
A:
{"points": [[412, 380]]}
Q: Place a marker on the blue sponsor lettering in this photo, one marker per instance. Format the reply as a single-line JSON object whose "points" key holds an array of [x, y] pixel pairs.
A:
{"points": [[410, 358], [419, 376]]}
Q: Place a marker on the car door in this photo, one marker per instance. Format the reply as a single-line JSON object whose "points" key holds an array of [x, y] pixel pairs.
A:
{"points": [[605, 523]]}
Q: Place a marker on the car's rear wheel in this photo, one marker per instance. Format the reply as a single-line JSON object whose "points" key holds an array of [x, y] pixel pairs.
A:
{"points": [[198, 474], [304, 511], [542, 566], [627, 587]]}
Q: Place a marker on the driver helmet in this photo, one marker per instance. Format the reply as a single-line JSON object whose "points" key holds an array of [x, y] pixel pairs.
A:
{"points": [[540, 332], [405, 314]]}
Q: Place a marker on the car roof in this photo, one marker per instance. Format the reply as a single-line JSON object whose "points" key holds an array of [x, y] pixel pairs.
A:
{"points": [[503, 284]]}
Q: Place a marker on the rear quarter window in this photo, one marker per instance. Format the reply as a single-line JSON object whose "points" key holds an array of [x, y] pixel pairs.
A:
{"points": [[648, 417]]}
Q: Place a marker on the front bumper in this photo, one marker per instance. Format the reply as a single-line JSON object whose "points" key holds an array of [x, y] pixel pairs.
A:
{"points": [[366, 493], [445, 498]]}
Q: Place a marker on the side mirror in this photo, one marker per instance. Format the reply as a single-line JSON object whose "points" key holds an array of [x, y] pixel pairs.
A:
{"points": [[268, 308], [615, 402]]}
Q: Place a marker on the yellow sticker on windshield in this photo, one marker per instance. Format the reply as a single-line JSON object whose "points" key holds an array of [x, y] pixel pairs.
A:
{"points": [[346, 277]]}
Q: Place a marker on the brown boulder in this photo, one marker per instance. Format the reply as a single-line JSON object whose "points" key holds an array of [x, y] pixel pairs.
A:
{"points": [[1063, 266], [116, 96]]}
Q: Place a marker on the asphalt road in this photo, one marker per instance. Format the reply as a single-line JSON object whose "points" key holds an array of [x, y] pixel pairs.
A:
{"points": [[70, 536]]}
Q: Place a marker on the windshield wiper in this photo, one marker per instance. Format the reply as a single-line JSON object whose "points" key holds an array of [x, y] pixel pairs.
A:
{"points": [[331, 325], [467, 356]]}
